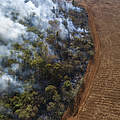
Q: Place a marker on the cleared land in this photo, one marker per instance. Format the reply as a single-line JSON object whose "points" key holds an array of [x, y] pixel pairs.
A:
{"points": [[101, 98]]}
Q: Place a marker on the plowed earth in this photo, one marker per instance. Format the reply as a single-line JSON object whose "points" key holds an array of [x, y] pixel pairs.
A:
{"points": [[101, 98]]}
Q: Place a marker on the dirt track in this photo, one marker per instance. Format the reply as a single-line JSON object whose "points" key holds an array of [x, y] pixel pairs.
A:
{"points": [[101, 98]]}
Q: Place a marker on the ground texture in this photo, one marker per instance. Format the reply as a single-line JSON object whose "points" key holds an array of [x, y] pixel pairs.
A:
{"points": [[101, 98]]}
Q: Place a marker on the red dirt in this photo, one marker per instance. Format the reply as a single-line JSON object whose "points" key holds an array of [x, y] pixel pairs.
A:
{"points": [[101, 98]]}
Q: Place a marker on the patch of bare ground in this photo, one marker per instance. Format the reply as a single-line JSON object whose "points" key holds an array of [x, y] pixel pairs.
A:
{"points": [[101, 98]]}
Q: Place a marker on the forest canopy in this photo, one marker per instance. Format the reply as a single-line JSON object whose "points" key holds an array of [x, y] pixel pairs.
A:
{"points": [[43, 59]]}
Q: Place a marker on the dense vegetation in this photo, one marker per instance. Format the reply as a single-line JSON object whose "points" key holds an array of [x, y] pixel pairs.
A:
{"points": [[51, 70]]}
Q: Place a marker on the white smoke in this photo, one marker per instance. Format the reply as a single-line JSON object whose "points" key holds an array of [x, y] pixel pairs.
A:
{"points": [[9, 33], [9, 29], [38, 13], [7, 81]]}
